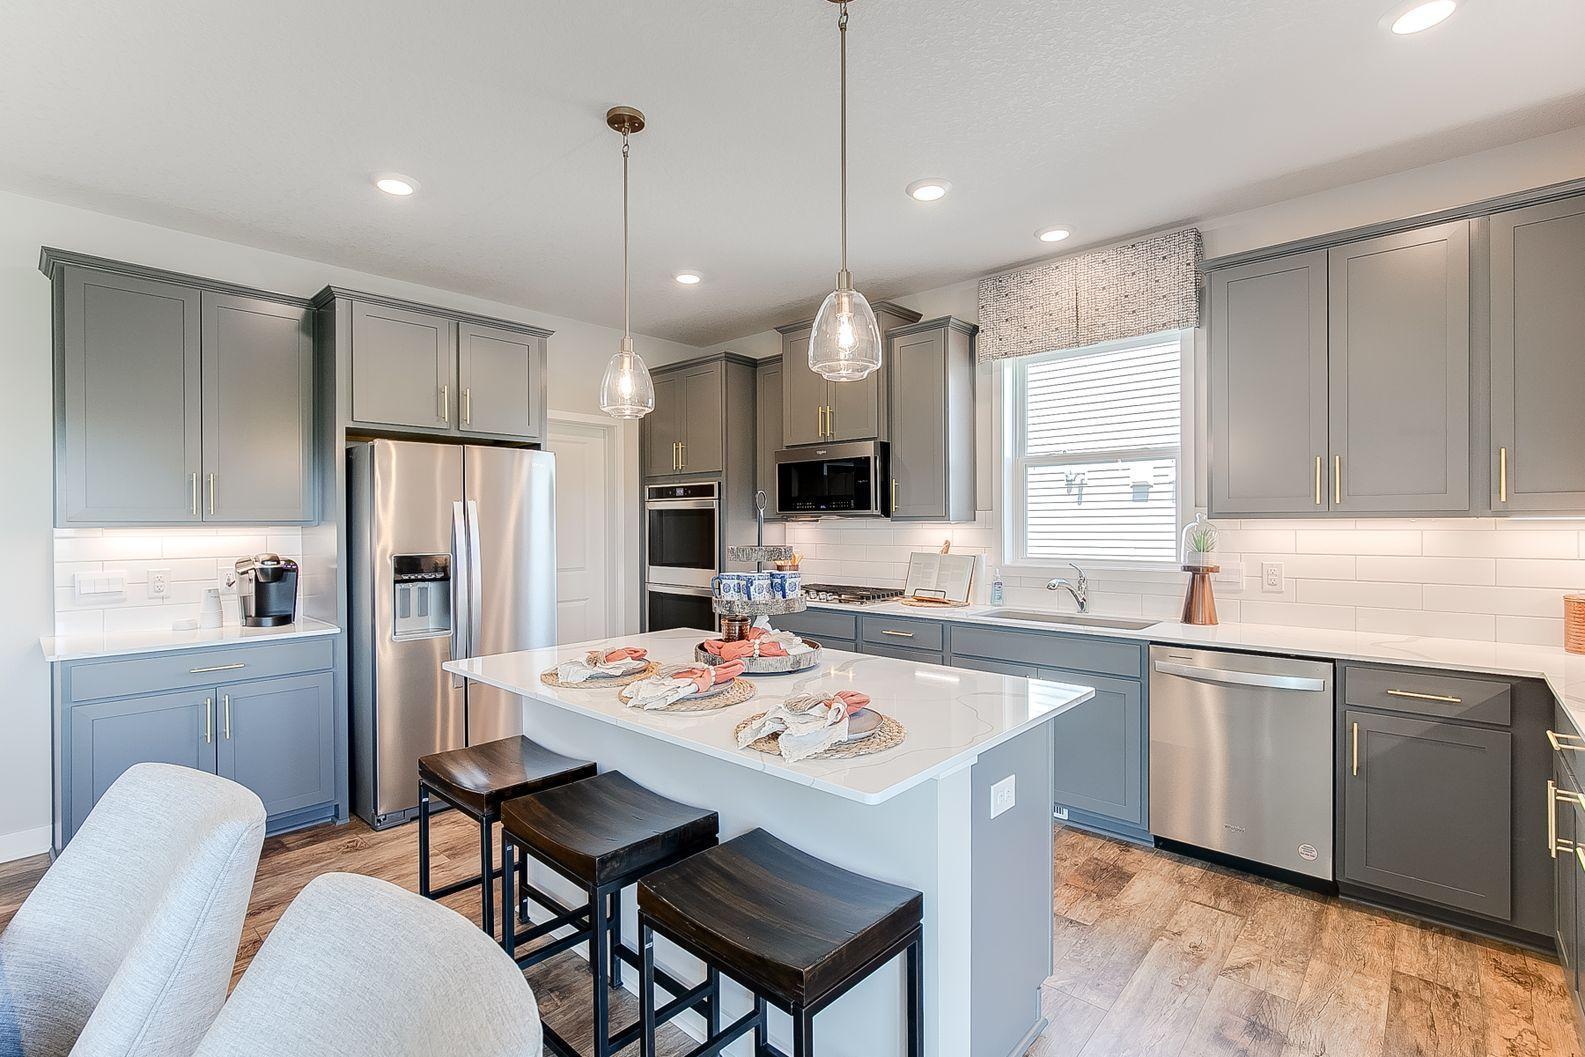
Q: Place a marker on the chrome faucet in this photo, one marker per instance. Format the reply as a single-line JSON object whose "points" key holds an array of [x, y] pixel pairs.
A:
{"points": [[1079, 588]]}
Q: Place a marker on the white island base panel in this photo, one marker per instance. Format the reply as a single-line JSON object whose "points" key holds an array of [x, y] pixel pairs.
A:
{"points": [[986, 882]]}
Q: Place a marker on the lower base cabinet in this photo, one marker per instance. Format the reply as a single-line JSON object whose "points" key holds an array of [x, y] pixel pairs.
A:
{"points": [[277, 737], [1567, 864], [111, 736]]}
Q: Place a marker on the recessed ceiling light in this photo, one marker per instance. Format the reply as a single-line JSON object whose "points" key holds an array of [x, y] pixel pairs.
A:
{"points": [[1052, 234], [396, 185], [689, 278], [928, 190], [1418, 16]]}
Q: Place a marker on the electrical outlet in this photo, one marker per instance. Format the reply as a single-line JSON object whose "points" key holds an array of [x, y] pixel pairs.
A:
{"points": [[1271, 577], [1004, 794], [159, 582]]}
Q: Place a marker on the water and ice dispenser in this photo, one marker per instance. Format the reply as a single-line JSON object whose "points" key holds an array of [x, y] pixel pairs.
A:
{"points": [[422, 603]]}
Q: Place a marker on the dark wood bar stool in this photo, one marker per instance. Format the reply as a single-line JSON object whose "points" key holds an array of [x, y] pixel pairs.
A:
{"points": [[795, 930], [602, 834], [476, 781]]}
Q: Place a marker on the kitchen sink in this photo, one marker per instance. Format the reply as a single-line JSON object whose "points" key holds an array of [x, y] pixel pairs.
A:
{"points": [[1083, 620]]}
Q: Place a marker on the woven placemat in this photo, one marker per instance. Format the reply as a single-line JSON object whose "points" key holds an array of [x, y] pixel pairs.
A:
{"points": [[548, 677], [739, 691], [888, 735]]}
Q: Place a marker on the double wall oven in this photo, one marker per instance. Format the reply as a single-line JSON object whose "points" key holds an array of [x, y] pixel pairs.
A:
{"points": [[682, 535]]}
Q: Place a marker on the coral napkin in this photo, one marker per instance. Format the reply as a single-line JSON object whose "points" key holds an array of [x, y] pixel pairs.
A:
{"points": [[808, 723], [658, 691]]}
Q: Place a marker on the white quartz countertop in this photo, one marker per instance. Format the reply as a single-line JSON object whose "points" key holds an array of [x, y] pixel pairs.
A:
{"points": [[1563, 672], [951, 715], [120, 643]]}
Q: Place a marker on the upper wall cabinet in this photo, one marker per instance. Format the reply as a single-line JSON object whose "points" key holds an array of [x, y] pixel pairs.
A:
{"points": [[685, 432], [931, 415], [419, 369], [1537, 363], [1398, 369], [1339, 379], [768, 426], [815, 410], [178, 400]]}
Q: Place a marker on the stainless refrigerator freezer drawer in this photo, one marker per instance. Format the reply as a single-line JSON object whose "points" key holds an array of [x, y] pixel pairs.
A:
{"points": [[1241, 756]]}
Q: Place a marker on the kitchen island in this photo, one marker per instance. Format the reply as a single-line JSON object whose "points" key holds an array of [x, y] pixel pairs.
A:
{"points": [[918, 814]]}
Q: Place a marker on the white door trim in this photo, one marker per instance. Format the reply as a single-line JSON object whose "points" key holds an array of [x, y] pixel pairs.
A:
{"points": [[621, 495]]}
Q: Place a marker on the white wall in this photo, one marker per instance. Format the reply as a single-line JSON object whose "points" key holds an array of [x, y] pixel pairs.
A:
{"points": [[578, 353]]}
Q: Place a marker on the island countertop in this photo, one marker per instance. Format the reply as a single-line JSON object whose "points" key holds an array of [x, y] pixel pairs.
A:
{"points": [[952, 715]]}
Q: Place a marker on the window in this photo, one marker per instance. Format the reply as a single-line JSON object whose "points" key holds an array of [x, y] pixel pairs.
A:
{"points": [[1095, 438]]}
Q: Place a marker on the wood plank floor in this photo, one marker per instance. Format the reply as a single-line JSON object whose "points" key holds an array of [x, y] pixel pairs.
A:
{"points": [[1154, 954]]}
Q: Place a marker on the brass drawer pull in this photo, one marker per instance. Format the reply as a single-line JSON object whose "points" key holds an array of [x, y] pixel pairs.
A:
{"points": [[467, 405], [445, 404], [1559, 742], [1412, 695], [1318, 499], [217, 668], [1356, 749], [898, 634], [1551, 818], [1502, 475], [1337, 480]]}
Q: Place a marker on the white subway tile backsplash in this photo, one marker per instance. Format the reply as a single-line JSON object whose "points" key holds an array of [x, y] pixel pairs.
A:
{"points": [[1510, 544], [1357, 541], [1427, 570], [1479, 626], [1304, 566], [1502, 601], [1533, 631], [1360, 593], [1536, 572], [1258, 539], [1295, 614]]}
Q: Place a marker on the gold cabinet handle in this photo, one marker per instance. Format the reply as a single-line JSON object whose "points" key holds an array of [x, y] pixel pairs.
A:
{"points": [[445, 404], [209, 721], [194, 476], [1318, 499], [894, 495], [1413, 695], [831, 421], [820, 418], [897, 634], [682, 455], [217, 668], [1356, 749], [467, 405], [1559, 742], [1337, 480], [1502, 475], [1551, 818], [226, 699], [211, 495]]}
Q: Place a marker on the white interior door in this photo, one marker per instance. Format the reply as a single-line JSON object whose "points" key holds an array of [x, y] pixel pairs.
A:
{"points": [[586, 493]]}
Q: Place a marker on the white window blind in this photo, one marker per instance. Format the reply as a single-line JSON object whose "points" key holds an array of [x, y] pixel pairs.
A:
{"points": [[1096, 435]]}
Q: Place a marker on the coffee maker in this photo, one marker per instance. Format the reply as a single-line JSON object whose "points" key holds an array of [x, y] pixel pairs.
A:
{"points": [[267, 588]]}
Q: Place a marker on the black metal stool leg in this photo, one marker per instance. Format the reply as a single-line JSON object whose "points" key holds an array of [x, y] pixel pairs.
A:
{"points": [[916, 999], [616, 938], [486, 869], [712, 980], [762, 1029], [522, 884], [646, 990], [423, 840], [803, 1033], [508, 876], [599, 953]]}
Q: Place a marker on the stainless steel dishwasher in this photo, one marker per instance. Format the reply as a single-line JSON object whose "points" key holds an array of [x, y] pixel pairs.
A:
{"points": [[1241, 756]]}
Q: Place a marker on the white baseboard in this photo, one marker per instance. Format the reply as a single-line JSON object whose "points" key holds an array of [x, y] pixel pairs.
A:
{"points": [[25, 842]]}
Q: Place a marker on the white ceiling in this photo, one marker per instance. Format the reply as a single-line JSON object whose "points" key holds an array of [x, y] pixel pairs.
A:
{"points": [[262, 123]]}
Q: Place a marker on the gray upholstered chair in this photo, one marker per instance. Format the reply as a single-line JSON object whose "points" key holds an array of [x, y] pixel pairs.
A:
{"points": [[126, 945], [358, 967]]}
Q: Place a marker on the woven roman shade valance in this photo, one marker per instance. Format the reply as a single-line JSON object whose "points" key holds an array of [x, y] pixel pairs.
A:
{"points": [[1127, 291]]}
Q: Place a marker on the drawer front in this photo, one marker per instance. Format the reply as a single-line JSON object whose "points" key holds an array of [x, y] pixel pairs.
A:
{"points": [[819, 624], [901, 631], [120, 676], [1428, 693], [1085, 653], [901, 653]]}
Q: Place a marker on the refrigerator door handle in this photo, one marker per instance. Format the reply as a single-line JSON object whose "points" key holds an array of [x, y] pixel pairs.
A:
{"points": [[475, 577], [461, 606]]}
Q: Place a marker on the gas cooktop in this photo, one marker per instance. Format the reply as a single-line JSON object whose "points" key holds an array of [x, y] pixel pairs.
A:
{"points": [[849, 595]]}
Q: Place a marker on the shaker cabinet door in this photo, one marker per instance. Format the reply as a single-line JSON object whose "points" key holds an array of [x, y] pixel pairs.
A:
{"points": [[128, 429], [661, 429], [1428, 811], [704, 410], [107, 738], [403, 372], [919, 427], [855, 407], [258, 383], [502, 377], [1268, 387], [1099, 749], [1399, 372], [277, 737], [1538, 358], [804, 393], [768, 425]]}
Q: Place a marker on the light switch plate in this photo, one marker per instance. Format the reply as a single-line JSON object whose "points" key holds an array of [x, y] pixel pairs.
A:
{"points": [[1004, 795], [1271, 580], [100, 586]]}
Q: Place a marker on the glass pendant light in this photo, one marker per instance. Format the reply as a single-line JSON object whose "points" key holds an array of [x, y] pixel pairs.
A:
{"points": [[626, 390], [845, 344]]}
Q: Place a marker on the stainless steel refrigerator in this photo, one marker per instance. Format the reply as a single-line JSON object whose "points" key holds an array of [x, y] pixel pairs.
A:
{"points": [[452, 553]]}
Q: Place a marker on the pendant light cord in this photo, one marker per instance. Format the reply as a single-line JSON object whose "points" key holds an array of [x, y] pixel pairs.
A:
{"points": [[842, 35], [627, 322]]}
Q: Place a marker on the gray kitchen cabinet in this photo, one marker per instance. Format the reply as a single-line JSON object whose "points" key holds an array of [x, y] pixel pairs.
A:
{"points": [[1399, 372], [900, 653], [704, 415], [768, 427], [660, 431], [128, 422], [258, 410], [110, 736], [702, 406], [1268, 387], [931, 419], [502, 378], [276, 736], [1567, 865], [1537, 370], [402, 367], [1099, 748], [814, 409], [1428, 809]]}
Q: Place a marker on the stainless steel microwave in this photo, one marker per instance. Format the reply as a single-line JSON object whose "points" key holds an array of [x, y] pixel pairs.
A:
{"points": [[834, 480]]}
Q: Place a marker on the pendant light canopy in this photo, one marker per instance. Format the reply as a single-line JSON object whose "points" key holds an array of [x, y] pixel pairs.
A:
{"points": [[626, 390], [845, 344]]}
